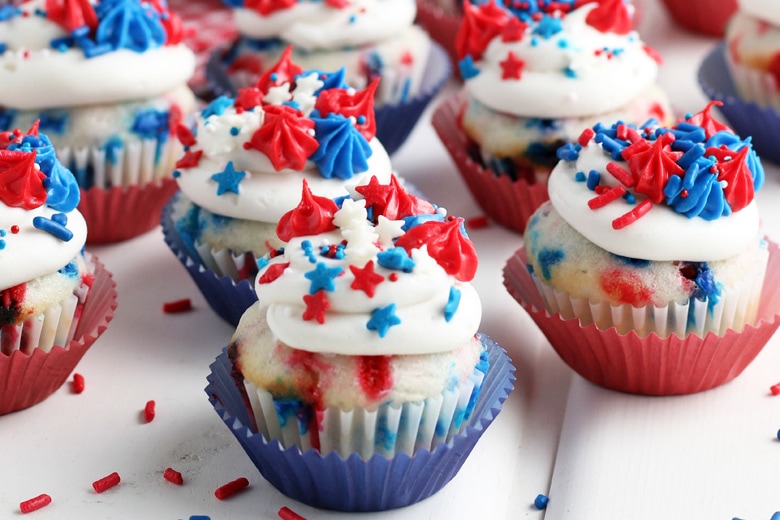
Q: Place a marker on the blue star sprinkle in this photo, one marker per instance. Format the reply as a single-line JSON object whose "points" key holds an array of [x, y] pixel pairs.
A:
{"points": [[322, 277], [382, 319], [228, 179]]}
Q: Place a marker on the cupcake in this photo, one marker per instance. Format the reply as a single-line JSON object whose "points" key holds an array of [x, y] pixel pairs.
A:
{"points": [[707, 17], [55, 300], [243, 168], [358, 381], [647, 270], [534, 77], [369, 38], [120, 88]]}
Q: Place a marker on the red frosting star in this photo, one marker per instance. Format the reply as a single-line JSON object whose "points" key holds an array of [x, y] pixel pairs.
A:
{"points": [[316, 305], [480, 25], [366, 279], [248, 98], [511, 67], [705, 120], [609, 16], [21, 183], [653, 167], [312, 216], [71, 14], [360, 103], [286, 137], [446, 244], [266, 7], [284, 71], [733, 168]]}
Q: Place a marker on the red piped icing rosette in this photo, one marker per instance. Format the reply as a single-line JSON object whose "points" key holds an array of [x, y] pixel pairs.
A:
{"points": [[701, 302], [377, 380]]}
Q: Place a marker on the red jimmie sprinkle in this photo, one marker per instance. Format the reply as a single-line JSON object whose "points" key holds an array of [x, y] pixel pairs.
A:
{"points": [[286, 513], [480, 222], [182, 305], [630, 217], [620, 174], [171, 475], [28, 506], [106, 482], [606, 197], [775, 389], [586, 136], [78, 383], [149, 411], [231, 488]]}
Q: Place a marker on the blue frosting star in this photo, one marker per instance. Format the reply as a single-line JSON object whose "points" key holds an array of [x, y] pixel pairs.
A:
{"points": [[216, 107], [452, 303], [322, 277], [228, 179], [467, 68], [397, 259], [548, 27], [382, 319]]}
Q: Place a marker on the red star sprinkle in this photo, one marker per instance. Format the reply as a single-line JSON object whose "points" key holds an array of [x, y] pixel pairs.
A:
{"points": [[316, 305], [511, 67], [190, 159], [366, 279], [248, 98], [513, 31]]}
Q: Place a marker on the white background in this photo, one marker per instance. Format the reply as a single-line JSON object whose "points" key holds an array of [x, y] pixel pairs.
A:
{"points": [[598, 454]]}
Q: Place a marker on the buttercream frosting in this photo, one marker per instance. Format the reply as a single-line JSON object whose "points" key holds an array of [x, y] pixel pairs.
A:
{"points": [[553, 59], [390, 277], [761, 9], [679, 193], [41, 231], [99, 51]]}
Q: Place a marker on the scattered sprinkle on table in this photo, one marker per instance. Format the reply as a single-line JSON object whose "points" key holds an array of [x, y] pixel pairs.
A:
{"points": [[286, 513], [149, 411], [775, 389], [33, 504], [540, 502], [183, 305], [106, 482], [171, 475], [78, 383], [231, 488], [477, 222]]}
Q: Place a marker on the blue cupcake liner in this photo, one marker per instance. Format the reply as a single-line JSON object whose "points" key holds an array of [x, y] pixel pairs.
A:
{"points": [[394, 122], [745, 117], [354, 484], [228, 298]]}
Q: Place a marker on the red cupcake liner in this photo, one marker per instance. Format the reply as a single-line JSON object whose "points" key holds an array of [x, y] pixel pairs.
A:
{"points": [[442, 28], [28, 379], [120, 213], [708, 17], [509, 202], [650, 365]]}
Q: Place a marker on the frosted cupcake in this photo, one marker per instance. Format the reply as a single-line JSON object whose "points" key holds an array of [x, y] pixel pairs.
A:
{"points": [[361, 357], [119, 90], [370, 39], [54, 299], [646, 268], [534, 76], [244, 164]]}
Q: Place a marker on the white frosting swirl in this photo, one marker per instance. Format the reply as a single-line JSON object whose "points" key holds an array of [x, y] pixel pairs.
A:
{"points": [[29, 253], [661, 234], [29, 64], [762, 9], [313, 24], [419, 296], [607, 70], [265, 194]]}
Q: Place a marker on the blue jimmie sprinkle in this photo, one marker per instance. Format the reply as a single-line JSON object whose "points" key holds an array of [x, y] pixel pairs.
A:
{"points": [[54, 228], [594, 179], [216, 107], [453, 302], [569, 152], [467, 68], [541, 501], [580, 177], [261, 262]]}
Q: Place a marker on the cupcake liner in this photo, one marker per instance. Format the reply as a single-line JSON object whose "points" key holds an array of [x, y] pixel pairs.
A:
{"points": [[753, 85], [508, 202], [650, 365], [394, 122], [442, 26], [355, 484], [227, 297], [30, 377], [708, 17], [747, 118], [117, 214]]}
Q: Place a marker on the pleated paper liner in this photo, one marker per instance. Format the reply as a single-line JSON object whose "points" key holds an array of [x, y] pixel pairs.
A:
{"points": [[746, 118], [707, 17], [353, 483], [124, 194], [509, 202], [228, 297], [27, 378], [394, 122], [650, 365]]}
